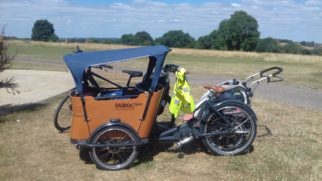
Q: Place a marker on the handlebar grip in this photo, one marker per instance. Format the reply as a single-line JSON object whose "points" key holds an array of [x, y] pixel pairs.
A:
{"points": [[278, 70]]}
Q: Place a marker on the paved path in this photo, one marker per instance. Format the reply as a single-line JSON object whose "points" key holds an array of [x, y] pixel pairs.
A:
{"points": [[34, 86], [279, 92]]}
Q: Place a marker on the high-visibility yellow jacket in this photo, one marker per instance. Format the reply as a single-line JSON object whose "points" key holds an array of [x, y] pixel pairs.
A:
{"points": [[182, 99]]}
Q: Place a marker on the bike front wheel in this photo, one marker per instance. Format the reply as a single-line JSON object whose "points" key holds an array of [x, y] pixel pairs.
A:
{"points": [[114, 157]]}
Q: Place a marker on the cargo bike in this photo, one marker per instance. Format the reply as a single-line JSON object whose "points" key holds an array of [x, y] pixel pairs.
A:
{"points": [[113, 122]]}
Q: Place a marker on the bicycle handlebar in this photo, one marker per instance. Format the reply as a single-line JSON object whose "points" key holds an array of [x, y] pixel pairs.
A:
{"points": [[170, 68], [278, 70]]}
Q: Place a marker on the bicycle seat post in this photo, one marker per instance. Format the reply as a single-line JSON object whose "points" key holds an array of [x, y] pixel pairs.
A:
{"points": [[129, 80]]}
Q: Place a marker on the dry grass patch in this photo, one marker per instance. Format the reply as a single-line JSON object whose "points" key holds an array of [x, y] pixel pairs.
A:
{"points": [[31, 149], [240, 54], [185, 51]]}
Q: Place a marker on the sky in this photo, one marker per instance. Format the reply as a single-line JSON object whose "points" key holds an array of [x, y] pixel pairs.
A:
{"points": [[297, 20]]}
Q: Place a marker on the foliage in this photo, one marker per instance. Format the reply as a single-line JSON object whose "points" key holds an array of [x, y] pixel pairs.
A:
{"points": [[222, 38], [43, 30], [144, 38], [293, 48], [204, 42], [6, 61], [210, 41], [176, 38], [53, 38], [129, 39], [308, 44], [140, 38], [317, 51], [240, 32], [267, 45]]}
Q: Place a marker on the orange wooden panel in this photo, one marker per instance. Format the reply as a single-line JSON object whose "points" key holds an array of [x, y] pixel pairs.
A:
{"points": [[128, 111]]}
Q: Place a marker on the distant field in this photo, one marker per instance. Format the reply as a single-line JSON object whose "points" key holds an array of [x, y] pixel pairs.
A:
{"points": [[299, 70]]}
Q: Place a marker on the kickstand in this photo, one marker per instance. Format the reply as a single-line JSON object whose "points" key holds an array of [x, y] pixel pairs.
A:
{"points": [[180, 152]]}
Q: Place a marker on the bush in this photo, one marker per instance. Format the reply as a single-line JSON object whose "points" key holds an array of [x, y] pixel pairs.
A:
{"points": [[6, 61], [129, 39], [176, 38], [267, 45], [317, 51], [292, 48]]}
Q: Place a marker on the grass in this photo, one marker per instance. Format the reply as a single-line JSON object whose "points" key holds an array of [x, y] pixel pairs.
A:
{"points": [[288, 144], [48, 56], [31, 149]]}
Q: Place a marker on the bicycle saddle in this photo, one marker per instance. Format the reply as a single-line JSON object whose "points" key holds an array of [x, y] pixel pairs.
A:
{"points": [[133, 73], [216, 88]]}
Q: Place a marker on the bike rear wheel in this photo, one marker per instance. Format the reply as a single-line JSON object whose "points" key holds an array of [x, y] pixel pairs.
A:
{"points": [[63, 115], [237, 122]]}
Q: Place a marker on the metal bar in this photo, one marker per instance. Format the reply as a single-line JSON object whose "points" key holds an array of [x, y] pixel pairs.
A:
{"points": [[214, 133], [84, 108], [90, 145], [146, 106], [251, 77], [117, 85]]}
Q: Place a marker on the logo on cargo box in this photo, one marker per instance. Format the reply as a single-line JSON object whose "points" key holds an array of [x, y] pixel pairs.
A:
{"points": [[127, 106]]}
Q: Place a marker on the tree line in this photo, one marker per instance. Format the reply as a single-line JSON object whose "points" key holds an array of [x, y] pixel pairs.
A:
{"points": [[238, 33]]}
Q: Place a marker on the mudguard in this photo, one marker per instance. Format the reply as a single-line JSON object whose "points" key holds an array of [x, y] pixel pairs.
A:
{"points": [[116, 122], [212, 106]]}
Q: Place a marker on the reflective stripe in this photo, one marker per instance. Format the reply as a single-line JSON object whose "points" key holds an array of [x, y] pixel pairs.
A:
{"points": [[186, 89]]}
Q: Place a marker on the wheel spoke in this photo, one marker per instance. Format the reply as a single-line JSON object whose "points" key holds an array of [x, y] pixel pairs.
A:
{"points": [[115, 157], [238, 124]]}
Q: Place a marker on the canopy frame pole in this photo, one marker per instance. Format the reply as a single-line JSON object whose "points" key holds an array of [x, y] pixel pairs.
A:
{"points": [[84, 107]]}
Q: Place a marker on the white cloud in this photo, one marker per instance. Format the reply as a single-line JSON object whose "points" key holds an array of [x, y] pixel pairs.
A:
{"points": [[282, 19], [235, 5]]}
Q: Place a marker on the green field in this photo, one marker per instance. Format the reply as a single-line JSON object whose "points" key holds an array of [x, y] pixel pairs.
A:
{"points": [[305, 73], [288, 144]]}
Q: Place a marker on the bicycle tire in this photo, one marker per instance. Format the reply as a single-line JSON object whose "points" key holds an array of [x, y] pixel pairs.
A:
{"points": [[59, 125], [244, 141]]}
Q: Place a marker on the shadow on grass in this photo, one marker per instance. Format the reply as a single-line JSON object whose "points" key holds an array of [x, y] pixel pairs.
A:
{"points": [[9, 108], [149, 151], [264, 131]]}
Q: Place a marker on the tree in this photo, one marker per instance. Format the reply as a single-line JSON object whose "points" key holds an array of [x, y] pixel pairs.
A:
{"points": [[240, 32], [6, 61], [43, 30], [129, 39], [317, 51], [144, 38], [293, 48], [204, 42], [267, 45], [176, 38]]}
